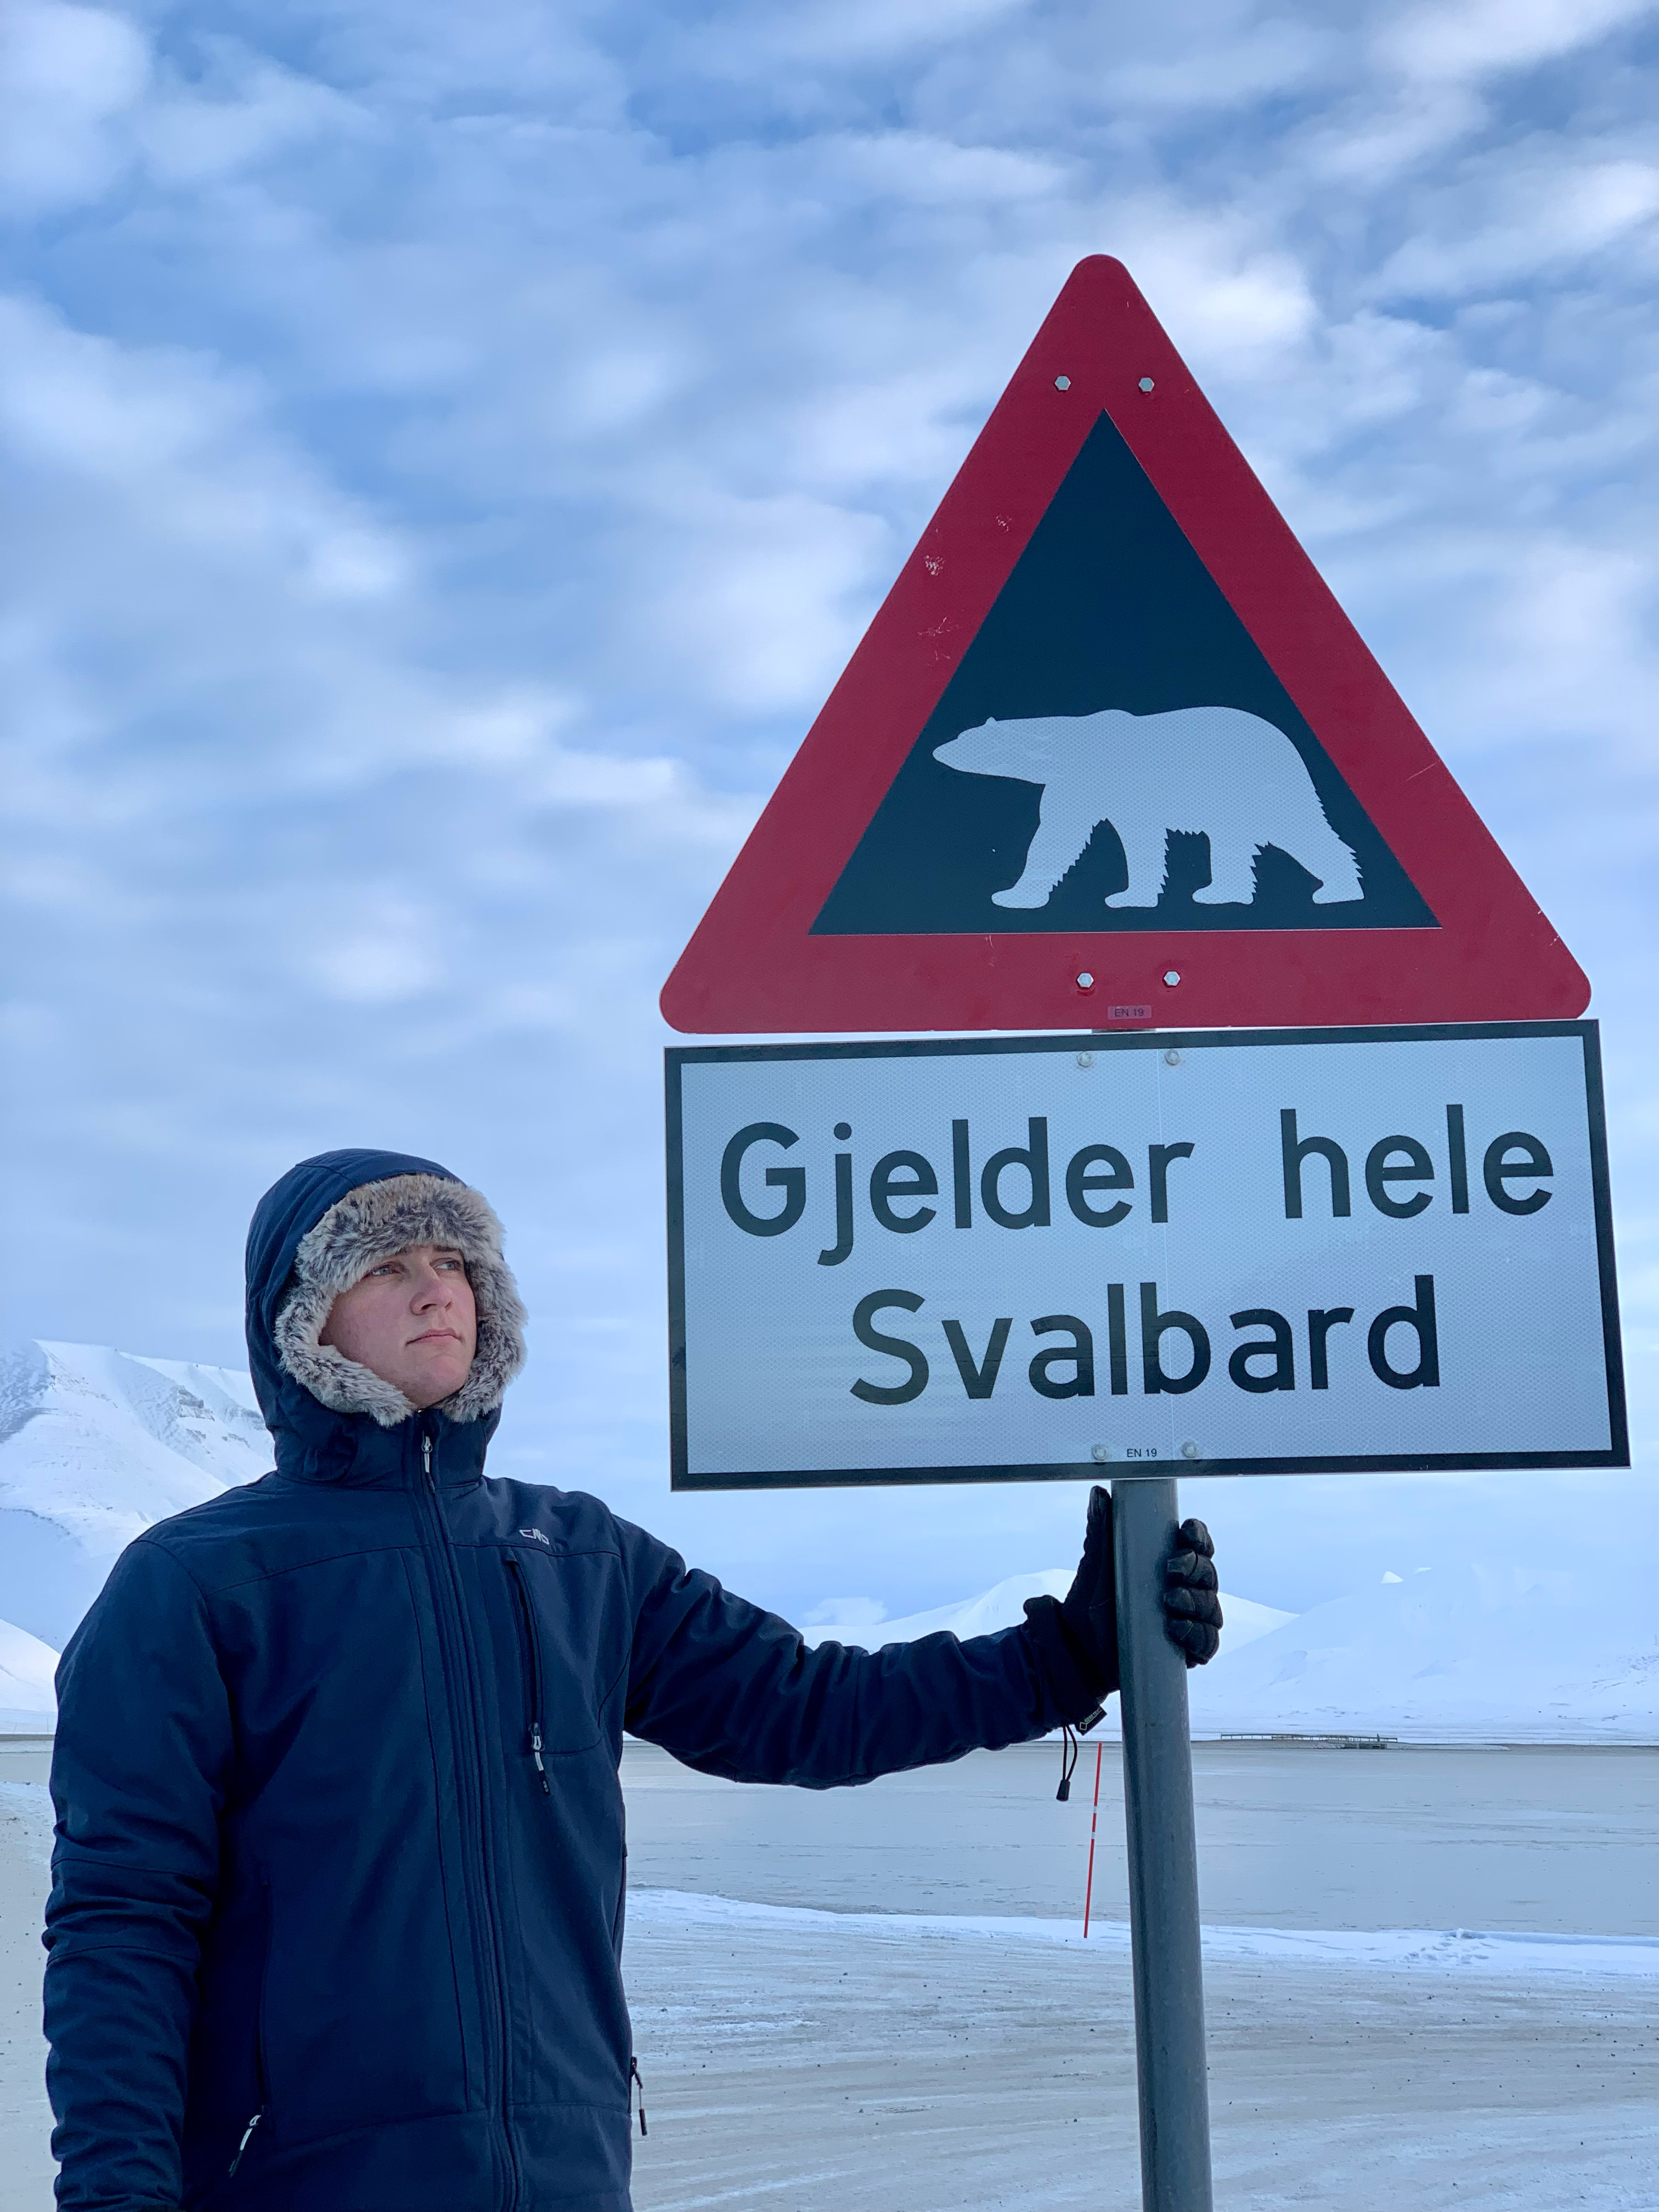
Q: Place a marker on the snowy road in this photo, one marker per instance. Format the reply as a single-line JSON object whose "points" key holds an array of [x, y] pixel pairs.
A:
{"points": [[805, 2062], [903, 2053], [942, 2038]]}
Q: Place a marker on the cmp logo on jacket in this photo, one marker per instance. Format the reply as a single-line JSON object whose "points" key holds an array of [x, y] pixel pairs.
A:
{"points": [[1115, 753]]}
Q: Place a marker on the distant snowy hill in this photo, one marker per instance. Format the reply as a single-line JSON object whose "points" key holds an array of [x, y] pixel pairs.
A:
{"points": [[1002, 1605], [94, 1446], [1487, 1653], [26, 1666]]}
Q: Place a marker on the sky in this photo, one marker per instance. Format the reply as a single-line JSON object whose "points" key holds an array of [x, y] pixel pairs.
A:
{"points": [[451, 454]]}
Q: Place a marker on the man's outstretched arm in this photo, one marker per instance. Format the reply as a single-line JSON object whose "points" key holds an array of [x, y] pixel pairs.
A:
{"points": [[138, 1776], [736, 1692]]}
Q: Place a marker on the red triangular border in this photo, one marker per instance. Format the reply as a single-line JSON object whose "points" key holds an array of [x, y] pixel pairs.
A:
{"points": [[753, 966]]}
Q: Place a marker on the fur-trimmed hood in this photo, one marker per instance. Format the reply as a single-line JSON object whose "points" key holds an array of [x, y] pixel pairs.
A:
{"points": [[317, 1233], [370, 1225]]}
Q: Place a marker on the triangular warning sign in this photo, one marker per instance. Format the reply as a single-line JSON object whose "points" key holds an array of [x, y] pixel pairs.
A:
{"points": [[1110, 754]]}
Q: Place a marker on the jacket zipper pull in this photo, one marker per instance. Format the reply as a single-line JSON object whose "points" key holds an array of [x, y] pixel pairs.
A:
{"points": [[426, 1457], [633, 2081], [533, 1659], [254, 2122]]}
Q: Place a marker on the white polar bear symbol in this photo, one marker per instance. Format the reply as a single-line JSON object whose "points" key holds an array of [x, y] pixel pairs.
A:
{"points": [[1211, 770]]}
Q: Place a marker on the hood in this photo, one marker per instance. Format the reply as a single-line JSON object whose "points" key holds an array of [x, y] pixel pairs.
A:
{"points": [[314, 1234]]}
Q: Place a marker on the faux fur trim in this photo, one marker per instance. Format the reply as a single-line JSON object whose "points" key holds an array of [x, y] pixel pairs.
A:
{"points": [[368, 1225]]}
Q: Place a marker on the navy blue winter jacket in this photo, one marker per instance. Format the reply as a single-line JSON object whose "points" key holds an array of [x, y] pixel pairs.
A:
{"points": [[309, 1874]]}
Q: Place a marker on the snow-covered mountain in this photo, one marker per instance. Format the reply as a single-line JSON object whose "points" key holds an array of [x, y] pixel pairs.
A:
{"points": [[1002, 1606], [94, 1446], [1490, 1652], [28, 1706], [1487, 1651]]}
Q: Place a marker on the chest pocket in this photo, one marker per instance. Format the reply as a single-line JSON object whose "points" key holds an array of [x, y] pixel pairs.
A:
{"points": [[555, 1608]]}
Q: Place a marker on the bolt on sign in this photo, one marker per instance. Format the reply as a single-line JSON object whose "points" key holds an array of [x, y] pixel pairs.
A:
{"points": [[1226, 1252]]}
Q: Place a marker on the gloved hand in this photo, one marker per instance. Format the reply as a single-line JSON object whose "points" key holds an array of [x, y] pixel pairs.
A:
{"points": [[1077, 1636], [1192, 1610], [1089, 1608]]}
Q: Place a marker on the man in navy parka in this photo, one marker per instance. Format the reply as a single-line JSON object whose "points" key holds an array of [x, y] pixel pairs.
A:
{"points": [[337, 1912]]}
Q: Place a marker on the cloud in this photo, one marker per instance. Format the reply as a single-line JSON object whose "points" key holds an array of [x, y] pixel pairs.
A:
{"points": [[68, 76], [1440, 42], [183, 445], [452, 454], [1233, 292], [1538, 211], [1274, 57], [243, 111], [767, 43]]}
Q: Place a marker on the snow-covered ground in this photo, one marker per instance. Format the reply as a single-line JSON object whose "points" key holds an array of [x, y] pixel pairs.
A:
{"points": [[811, 2062], [26, 2165], [26, 1666], [848, 2042], [1431, 1980], [1412, 1950], [926, 2044]]}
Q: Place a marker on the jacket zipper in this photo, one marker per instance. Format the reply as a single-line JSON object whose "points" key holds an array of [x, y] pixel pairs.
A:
{"points": [[634, 2080], [467, 1697], [532, 1660], [246, 2133], [260, 2081]]}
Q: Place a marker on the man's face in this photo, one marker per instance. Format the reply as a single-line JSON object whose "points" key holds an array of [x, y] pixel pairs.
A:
{"points": [[411, 1321]]}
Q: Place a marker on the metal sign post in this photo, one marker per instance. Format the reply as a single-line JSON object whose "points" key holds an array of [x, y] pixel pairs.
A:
{"points": [[1157, 1811]]}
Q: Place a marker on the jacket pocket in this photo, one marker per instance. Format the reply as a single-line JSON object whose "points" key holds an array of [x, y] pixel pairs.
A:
{"points": [[260, 2117], [556, 1620], [530, 1661], [261, 2038]]}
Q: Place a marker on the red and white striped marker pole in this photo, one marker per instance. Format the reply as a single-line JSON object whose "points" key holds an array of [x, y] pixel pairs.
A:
{"points": [[1089, 1885]]}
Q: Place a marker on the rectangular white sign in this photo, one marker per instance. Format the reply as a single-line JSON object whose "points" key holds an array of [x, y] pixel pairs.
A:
{"points": [[1235, 1252]]}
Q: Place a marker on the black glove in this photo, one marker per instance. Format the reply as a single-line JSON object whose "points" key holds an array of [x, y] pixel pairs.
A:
{"points": [[1089, 1608], [1192, 1611], [1077, 1636]]}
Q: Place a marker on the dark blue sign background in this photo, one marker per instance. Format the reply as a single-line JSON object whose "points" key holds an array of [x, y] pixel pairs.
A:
{"points": [[1109, 606]]}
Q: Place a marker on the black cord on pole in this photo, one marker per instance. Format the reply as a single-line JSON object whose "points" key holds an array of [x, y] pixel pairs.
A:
{"points": [[1067, 1762]]}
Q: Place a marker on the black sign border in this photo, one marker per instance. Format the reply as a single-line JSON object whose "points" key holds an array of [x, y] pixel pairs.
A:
{"points": [[677, 1057]]}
